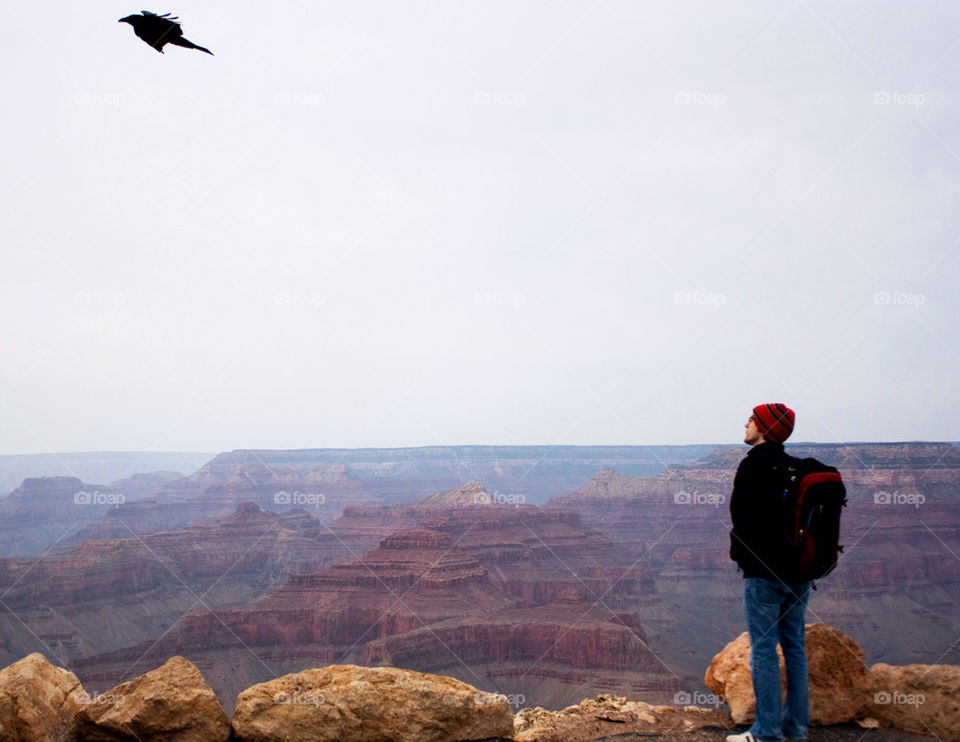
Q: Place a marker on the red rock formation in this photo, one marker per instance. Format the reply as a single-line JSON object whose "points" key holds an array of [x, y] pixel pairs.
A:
{"points": [[473, 576], [112, 593], [487, 590], [208, 495], [899, 529], [351, 476]]}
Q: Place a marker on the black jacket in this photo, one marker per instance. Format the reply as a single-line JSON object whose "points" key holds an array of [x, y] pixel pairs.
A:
{"points": [[756, 539]]}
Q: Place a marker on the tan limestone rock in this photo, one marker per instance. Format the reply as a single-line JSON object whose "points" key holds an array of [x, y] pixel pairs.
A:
{"points": [[835, 670], [916, 698], [343, 703], [611, 716], [39, 701], [170, 704]]}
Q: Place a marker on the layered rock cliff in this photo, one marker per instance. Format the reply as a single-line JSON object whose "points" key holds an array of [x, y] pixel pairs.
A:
{"points": [[898, 568], [43, 511], [107, 594], [518, 599], [209, 494], [325, 481], [622, 586]]}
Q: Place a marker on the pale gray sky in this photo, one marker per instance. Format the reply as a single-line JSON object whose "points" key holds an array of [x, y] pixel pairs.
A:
{"points": [[412, 223]]}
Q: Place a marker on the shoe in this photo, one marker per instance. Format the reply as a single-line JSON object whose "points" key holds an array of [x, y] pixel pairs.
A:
{"points": [[745, 737]]}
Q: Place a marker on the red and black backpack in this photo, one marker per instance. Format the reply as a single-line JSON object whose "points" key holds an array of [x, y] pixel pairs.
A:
{"points": [[812, 499]]}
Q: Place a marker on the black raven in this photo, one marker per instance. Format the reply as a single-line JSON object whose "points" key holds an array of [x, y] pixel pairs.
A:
{"points": [[158, 30]]}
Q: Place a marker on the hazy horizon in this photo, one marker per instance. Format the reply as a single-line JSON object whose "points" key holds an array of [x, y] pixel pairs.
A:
{"points": [[788, 443], [384, 226]]}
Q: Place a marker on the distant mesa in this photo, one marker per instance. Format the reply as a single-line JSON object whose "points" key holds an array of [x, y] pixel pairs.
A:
{"points": [[45, 510], [471, 493]]}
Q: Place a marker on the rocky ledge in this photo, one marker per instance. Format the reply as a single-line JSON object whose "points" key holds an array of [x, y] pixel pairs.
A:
{"points": [[346, 703]]}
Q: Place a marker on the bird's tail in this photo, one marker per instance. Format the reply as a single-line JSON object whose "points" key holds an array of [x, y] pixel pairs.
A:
{"points": [[190, 45]]}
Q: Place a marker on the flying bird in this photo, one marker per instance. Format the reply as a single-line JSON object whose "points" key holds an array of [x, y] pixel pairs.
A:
{"points": [[158, 30]]}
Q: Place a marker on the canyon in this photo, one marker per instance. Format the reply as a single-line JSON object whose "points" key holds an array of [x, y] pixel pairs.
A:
{"points": [[325, 481], [621, 584], [898, 568], [515, 598]]}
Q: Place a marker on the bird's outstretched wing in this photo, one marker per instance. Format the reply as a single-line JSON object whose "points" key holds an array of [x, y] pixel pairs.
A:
{"points": [[164, 24], [171, 18]]}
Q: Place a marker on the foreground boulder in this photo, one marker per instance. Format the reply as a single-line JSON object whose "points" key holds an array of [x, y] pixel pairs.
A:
{"points": [[835, 669], [346, 703], [613, 717], [38, 701], [916, 698], [170, 704]]}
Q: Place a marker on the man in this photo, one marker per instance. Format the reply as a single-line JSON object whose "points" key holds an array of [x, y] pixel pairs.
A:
{"points": [[774, 608]]}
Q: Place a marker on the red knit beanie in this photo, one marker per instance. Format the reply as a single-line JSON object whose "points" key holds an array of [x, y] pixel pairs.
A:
{"points": [[775, 421]]}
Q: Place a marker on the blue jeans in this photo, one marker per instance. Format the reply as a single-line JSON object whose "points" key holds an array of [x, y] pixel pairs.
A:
{"points": [[775, 612]]}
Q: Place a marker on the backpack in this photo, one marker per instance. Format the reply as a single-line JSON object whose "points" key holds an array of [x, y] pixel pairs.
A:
{"points": [[812, 500]]}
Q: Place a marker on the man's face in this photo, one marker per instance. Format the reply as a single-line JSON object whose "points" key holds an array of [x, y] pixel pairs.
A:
{"points": [[753, 435]]}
